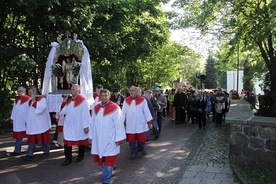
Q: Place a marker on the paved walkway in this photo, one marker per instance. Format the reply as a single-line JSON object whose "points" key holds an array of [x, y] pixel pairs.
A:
{"points": [[208, 164], [182, 154]]}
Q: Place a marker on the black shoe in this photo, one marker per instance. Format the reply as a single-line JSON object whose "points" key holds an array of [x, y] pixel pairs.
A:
{"points": [[144, 152], [132, 156], [216, 125], [45, 155], [78, 160], [66, 162], [27, 158], [156, 137], [12, 154], [88, 147]]}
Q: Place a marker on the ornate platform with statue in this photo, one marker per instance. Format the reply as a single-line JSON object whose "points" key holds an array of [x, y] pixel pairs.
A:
{"points": [[68, 63]]}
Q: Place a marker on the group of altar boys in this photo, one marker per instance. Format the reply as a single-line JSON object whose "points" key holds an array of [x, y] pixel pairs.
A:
{"points": [[81, 125]]}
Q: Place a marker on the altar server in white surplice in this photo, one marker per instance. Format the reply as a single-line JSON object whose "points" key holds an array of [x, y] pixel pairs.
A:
{"points": [[107, 133], [18, 119], [76, 124], [38, 124], [138, 119]]}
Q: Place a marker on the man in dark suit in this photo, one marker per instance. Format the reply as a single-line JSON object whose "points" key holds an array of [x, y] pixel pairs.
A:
{"points": [[201, 110], [180, 102]]}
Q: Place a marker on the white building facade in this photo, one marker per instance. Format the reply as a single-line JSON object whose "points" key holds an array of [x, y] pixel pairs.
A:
{"points": [[232, 82]]}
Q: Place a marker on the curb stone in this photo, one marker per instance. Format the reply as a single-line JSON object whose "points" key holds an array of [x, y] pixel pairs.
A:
{"points": [[238, 175]]}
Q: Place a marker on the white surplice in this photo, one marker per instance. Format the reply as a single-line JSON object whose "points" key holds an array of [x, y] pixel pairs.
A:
{"points": [[107, 128], [77, 118], [136, 113], [19, 114], [38, 118]]}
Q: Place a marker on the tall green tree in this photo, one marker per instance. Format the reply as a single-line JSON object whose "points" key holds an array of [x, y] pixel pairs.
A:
{"points": [[169, 62], [248, 23], [116, 33], [211, 73]]}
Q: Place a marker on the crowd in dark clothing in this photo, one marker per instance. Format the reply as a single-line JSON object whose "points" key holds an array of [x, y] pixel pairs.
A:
{"points": [[195, 106]]}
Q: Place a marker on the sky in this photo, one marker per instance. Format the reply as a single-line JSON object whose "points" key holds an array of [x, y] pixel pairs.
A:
{"points": [[192, 38]]}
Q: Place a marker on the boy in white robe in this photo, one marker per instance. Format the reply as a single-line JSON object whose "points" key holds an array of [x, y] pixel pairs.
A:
{"points": [[18, 119], [107, 132]]}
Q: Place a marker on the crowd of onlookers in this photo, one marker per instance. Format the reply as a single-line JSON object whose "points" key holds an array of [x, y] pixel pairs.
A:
{"points": [[187, 105]]}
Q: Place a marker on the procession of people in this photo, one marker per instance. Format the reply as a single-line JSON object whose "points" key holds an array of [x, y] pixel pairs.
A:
{"points": [[131, 119]]}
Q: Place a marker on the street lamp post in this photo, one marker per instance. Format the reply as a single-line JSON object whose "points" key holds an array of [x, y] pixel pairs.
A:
{"points": [[201, 77], [238, 64]]}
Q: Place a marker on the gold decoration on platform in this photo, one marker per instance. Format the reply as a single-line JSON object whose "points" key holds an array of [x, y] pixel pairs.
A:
{"points": [[68, 47]]}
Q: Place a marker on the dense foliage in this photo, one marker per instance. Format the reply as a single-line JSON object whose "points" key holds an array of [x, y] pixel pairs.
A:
{"points": [[126, 39], [247, 26]]}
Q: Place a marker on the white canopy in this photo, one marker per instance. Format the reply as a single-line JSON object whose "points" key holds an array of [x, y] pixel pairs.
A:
{"points": [[86, 83]]}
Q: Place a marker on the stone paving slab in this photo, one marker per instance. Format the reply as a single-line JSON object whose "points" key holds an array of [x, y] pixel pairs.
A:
{"points": [[209, 163]]}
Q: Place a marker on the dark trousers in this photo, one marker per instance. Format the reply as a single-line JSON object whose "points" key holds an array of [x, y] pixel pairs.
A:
{"points": [[218, 118], [164, 112], [180, 115], [188, 113], [159, 120], [68, 152], [214, 112], [201, 119], [55, 136], [168, 108], [193, 116]]}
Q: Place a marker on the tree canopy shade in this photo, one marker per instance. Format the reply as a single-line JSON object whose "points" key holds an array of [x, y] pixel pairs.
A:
{"points": [[120, 35]]}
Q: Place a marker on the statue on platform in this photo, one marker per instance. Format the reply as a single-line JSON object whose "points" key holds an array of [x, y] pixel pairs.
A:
{"points": [[68, 68]]}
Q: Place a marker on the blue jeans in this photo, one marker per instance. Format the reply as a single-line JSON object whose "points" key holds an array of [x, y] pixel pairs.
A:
{"points": [[148, 135], [133, 147], [31, 147], [155, 129], [18, 144], [107, 173]]}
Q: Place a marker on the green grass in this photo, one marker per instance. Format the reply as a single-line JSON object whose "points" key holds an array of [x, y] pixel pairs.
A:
{"points": [[257, 173]]}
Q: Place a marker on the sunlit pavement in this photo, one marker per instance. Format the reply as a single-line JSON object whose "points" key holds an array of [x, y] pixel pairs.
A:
{"points": [[182, 154]]}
